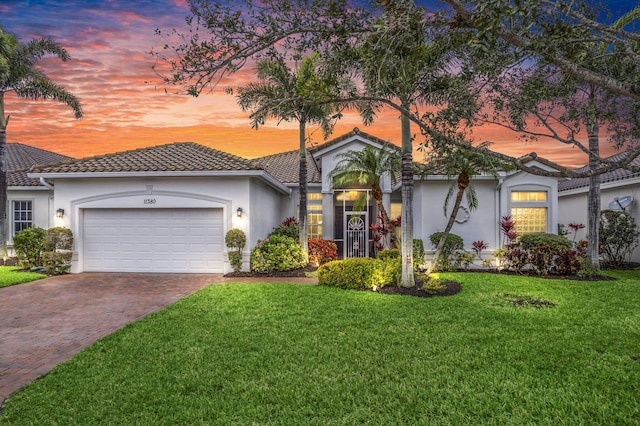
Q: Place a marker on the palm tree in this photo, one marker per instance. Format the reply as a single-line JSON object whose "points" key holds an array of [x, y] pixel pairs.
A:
{"points": [[367, 167], [18, 74], [299, 95], [463, 164]]}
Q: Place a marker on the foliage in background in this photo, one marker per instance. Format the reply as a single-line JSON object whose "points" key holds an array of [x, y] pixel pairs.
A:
{"points": [[618, 236]]}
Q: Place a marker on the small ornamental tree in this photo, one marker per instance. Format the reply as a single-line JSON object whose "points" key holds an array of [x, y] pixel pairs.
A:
{"points": [[618, 236], [235, 239]]}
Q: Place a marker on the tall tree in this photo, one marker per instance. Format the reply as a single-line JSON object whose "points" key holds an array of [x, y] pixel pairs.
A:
{"points": [[19, 74], [368, 167], [540, 100], [539, 27], [293, 95]]}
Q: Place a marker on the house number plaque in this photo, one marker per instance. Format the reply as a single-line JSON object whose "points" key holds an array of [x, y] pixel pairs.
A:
{"points": [[149, 201]]}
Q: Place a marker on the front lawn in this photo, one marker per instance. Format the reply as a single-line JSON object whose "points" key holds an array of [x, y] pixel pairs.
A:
{"points": [[306, 355], [11, 275]]}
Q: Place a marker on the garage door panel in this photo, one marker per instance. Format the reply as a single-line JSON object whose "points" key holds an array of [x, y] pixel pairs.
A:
{"points": [[153, 240]]}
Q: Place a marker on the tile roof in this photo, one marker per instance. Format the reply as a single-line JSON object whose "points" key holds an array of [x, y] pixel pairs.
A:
{"points": [[20, 158], [284, 167], [354, 132], [174, 157], [615, 175]]}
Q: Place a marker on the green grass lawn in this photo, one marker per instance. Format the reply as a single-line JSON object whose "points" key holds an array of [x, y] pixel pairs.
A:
{"points": [[11, 275], [304, 355]]}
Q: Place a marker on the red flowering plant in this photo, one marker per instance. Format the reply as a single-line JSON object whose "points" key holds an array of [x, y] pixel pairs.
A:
{"points": [[379, 232], [576, 227], [478, 246]]}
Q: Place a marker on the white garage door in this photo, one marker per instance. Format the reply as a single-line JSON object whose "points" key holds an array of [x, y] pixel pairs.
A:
{"points": [[153, 240]]}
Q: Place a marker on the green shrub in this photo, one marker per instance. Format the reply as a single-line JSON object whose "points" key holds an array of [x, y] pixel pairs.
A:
{"points": [[322, 251], [446, 260], [28, 245], [537, 239], [353, 273], [57, 263], [58, 238], [618, 236], [389, 254], [391, 271], [452, 244], [277, 253], [57, 259], [288, 228], [235, 239]]}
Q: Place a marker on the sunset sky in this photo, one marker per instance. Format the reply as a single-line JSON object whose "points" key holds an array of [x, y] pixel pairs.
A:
{"points": [[126, 107]]}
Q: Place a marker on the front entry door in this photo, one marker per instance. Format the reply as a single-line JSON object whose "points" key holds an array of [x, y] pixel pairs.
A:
{"points": [[356, 234]]}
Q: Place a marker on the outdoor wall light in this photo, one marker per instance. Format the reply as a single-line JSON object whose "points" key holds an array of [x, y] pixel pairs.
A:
{"points": [[60, 213], [239, 212]]}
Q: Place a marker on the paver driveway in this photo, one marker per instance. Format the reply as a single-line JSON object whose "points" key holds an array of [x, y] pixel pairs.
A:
{"points": [[46, 322]]}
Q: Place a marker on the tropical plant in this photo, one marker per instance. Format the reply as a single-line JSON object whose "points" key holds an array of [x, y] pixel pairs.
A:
{"points": [[21, 74], [292, 95], [463, 164], [367, 168]]}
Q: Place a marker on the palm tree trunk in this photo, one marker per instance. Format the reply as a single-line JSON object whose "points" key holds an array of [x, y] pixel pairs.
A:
{"points": [[3, 178], [376, 192], [302, 212], [407, 279], [462, 186]]}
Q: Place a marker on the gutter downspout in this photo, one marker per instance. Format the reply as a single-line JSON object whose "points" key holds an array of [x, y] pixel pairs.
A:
{"points": [[45, 183]]}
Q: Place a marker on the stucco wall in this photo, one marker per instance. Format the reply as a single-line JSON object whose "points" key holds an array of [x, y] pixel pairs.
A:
{"points": [[572, 206], [228, 193], [429, 217]]}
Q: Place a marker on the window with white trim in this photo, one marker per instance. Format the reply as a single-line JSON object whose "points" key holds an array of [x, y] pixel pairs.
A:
{"points": [[22, 215], [314, 215], [529, 210]]}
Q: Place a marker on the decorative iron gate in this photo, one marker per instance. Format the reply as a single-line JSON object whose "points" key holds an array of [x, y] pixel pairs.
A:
{"points": [[356, 242]]}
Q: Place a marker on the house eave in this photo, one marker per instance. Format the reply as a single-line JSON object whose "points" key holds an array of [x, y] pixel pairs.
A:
{"points": [[226, 173], [605, 185], [27, 188]]}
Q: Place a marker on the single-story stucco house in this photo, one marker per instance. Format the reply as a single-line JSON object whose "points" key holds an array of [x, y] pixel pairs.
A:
{"points": [[167, 208], [618, 189]]}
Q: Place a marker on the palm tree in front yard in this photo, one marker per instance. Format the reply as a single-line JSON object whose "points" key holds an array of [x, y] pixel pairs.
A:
{"points": [[368, 167], [20, 75], [292, 95]]}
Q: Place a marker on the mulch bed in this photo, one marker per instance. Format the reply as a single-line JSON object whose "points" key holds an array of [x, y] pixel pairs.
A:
{"points": [[296, 273], [450, 288]]}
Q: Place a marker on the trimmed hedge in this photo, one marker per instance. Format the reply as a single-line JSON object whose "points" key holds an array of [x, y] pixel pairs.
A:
{"points": [[353, 273]]}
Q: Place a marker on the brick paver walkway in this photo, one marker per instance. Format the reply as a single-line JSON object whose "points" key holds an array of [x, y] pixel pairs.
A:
{"points": [[46, 322]]}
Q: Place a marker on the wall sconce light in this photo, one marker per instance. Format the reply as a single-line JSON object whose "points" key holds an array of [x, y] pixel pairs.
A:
{"points": [[60, 213], [239, 212]]}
